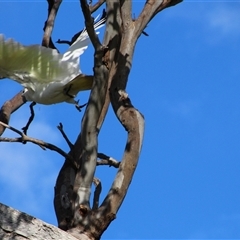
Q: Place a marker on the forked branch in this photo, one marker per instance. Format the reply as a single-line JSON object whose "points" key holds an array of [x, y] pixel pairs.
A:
{"points": [[151, 8], [24, 138]]}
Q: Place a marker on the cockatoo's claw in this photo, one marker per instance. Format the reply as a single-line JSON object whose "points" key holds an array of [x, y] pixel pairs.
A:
{"points": [[79, 106], [66, 91]]}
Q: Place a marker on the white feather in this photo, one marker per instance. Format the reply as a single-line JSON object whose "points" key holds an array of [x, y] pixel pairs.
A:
{"points": [[43, 71]]}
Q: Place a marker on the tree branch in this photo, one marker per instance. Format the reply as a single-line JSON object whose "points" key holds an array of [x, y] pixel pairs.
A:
{"points": [[89, 22], [60, 128], [133, 122], [97, 192], [75, 37], [89, 133], [40, 143], [129, 117], [112, 40], [151, 8], [9, 107], [53, 6], [96, 6], [126, 14], [106, 160]]}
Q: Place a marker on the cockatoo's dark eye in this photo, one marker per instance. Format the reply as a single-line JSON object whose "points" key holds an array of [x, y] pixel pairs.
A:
{"points": [[24, 90]]}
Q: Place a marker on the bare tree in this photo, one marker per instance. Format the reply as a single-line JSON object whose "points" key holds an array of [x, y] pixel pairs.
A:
{"points": [[112, 65]]}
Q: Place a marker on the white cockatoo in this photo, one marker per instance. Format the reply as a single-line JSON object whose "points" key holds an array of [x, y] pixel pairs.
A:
{"points": [[47, 76]]}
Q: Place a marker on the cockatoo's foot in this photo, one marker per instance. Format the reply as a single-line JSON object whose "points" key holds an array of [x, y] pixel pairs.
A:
{"points": [[30, 118], [79, 106], [66, 91]]}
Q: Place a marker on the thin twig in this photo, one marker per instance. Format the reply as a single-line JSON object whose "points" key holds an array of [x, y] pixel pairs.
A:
{"points": [[96, 6], [106, 160], [60, 128], [40, 143], [75, 37], [89, 25], [59, 41], [97, 192], [13, 129]]}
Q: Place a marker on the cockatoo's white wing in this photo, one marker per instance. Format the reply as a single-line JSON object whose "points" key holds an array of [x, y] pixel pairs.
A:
{"points": [[48, 77], [32, 64]]}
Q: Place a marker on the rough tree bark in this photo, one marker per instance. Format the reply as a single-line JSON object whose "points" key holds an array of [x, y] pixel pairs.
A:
{"points": [[112, 65], [20, 226]]}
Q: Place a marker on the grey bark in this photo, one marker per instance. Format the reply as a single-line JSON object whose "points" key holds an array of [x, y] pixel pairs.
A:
{"points": [[21, 226]]}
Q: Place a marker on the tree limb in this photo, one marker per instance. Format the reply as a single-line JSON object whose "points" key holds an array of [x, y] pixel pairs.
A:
{"points": [[97, 192], [151, 8], [133, 122], [126, 14], [112, 40], [75, 37], [9, 107], [40, 143], [60, 128], [89, 22], [53, 6], [96, 6], [87, 160], [106, 160]]}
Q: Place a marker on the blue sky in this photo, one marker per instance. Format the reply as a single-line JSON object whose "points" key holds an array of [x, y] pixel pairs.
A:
{"points": [[185, 81]]}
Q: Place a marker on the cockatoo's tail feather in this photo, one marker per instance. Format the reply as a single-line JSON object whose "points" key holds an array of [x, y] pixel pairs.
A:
{"points": [[80, 83], [81, 44]]}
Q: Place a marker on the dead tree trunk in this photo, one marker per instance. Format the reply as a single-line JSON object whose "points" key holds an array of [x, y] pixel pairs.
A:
{"points": [[112, 65]]}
